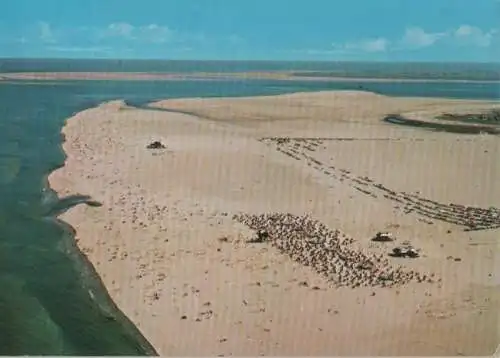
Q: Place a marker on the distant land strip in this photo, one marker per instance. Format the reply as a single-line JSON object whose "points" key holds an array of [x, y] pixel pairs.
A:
{"points": [[277, 75]]}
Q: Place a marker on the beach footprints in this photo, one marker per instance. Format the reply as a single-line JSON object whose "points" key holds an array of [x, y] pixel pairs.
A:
{"points": [[328, 252], [470, 218]]}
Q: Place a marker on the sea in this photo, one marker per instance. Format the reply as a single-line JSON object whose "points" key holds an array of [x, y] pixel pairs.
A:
{"points": [[52, 302]]}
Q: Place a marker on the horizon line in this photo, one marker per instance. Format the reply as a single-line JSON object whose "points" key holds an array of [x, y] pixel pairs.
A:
{"points": [[249, 60]]}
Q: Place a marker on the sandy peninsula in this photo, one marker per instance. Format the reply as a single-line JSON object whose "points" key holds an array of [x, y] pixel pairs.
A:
{"points": [[319, 174]]}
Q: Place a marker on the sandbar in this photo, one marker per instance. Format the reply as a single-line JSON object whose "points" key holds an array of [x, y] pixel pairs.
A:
{"points": [[256, 75], [176, 261]]}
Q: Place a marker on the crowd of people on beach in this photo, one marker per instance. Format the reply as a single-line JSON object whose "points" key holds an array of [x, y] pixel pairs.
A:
{"points": [[469, 217], [328, 252]]}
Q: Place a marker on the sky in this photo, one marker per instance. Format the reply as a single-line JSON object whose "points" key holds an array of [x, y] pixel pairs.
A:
{"points": [[309, 30]]}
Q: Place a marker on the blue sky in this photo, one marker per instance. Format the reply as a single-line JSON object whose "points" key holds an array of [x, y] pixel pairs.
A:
{"points": [[366, 30]]}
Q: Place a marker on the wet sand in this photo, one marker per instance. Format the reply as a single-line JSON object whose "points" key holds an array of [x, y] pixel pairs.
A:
{"points": [[320, 174]]}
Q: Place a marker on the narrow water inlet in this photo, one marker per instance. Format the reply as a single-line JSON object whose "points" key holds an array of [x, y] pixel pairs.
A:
{"points": [[66, 203], [443, 127]]}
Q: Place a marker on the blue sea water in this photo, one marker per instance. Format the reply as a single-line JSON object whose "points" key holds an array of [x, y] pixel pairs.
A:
{"points": [[51, 300]]}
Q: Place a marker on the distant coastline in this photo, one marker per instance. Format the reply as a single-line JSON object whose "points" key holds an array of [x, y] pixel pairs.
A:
{"points": [[329, 71], [271, 75]]}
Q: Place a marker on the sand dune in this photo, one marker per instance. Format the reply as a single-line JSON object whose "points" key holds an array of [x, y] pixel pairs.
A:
{"points": [[175, 260]]}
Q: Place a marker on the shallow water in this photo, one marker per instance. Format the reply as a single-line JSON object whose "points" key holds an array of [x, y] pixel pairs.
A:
{"points": [[443, 127], [51, 300]]}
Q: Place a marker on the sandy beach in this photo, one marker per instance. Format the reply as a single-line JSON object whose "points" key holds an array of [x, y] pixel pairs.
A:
{"points": [[171, 239]]}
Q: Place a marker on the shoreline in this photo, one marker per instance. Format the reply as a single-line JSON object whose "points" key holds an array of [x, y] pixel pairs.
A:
{"points": [[284, 75], [97, 290], [92, 159]]}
